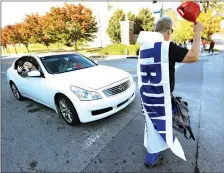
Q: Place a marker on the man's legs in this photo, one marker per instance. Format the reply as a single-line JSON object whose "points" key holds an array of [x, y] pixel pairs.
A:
{"points": [[203, 48], [151, 159], [212, 49]]}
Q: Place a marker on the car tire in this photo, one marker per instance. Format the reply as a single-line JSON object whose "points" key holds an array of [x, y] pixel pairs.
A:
{"points": [[67, 110], [16, 92]]}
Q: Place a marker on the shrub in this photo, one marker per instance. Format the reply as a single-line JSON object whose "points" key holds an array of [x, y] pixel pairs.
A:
{"points": [[133, 49], [120, 49], [114, 49]]}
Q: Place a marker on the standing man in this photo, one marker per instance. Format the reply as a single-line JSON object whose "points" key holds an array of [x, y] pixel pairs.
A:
{"points": [[204, 42], [176, 54], [211, 48]]}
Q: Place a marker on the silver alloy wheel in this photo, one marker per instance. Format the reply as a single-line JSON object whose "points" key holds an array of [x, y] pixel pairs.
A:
{"points": [[15, 91], [65, 110]]}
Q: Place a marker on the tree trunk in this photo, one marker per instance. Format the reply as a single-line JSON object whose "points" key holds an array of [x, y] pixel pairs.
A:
{"points": [[46, 44], [75, 45], [7, 49], [26, 45], [58, 46], [15, 48]]}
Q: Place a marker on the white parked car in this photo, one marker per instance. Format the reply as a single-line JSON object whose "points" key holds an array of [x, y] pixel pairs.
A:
{"points": [[74, 86]]}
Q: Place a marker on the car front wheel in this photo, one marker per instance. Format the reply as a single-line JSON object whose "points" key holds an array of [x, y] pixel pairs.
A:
{"points": [[16, 92], [67, 110]]}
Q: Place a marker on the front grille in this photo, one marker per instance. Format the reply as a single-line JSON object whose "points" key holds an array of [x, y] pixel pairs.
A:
{"points": [[117, 89]]}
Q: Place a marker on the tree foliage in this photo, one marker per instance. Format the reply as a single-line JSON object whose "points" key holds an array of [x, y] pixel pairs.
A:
{"points": [[67, 24], [114, 28], [183, 31], [137, 26], [146, 19], [211, 23], [210, 17], [216, 6]]}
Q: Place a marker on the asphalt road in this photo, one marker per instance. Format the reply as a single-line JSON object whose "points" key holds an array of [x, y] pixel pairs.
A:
{"points": [[35, 139]]}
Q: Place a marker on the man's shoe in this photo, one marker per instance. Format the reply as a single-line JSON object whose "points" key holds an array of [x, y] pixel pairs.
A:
{"points": [[159, 162]]}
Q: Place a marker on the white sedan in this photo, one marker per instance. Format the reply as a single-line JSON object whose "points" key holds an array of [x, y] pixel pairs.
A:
{"points": [[74, 86]]}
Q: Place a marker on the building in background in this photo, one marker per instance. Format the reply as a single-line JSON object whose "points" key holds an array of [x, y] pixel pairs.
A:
{"points": [[104, 10]]}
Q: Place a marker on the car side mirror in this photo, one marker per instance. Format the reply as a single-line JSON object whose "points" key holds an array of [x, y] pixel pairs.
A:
{"points": [[34, 73]]}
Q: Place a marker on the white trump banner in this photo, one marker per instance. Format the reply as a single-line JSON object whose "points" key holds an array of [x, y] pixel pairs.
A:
{"points": [[154, 86]]}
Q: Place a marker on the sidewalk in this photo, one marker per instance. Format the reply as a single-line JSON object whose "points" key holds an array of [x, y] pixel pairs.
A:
{"points": [[201, 84]]}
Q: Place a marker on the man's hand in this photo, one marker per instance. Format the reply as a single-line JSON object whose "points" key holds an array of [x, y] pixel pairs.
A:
{"points": [[194, 53], [19, 69], [198, 27]]}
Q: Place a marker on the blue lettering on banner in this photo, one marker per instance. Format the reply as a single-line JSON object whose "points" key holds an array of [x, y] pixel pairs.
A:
{"points": [[154, 53], [152, 89], [149, 69], [153, 111], [152, 100]]}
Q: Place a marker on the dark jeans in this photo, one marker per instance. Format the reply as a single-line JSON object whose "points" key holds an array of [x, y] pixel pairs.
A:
{"points": [[210, 49], [151, 159]]}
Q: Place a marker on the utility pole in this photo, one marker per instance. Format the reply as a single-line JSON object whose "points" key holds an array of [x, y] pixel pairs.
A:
{"points": [[161, 10]]}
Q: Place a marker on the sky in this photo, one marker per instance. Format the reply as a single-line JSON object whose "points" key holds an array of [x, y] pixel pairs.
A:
{"points": [[13, 12]]}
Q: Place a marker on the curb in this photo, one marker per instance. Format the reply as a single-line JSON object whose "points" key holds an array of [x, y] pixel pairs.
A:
{"points": [[111, 57], [211, 54]]}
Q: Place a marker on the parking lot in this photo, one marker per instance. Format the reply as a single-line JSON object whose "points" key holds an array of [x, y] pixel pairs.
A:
{"points": [[36, 139]]}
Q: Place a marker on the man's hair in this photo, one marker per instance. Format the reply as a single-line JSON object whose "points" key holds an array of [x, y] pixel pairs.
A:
{"points": [[163, 24]]}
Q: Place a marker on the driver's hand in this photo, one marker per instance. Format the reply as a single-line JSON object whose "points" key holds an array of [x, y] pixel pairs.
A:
{"points": [[19, 69]]}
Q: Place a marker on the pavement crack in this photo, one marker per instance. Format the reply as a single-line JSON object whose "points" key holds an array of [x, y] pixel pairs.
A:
{"points": [[196, 169], [113, 139], [35, 110], [7, 139]]}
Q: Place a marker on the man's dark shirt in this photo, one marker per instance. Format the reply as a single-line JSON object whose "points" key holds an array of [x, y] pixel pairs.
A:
{"points": [[176, 54]]}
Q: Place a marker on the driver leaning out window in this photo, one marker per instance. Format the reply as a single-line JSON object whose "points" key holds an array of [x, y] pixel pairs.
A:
{"points": [[27, 67]]}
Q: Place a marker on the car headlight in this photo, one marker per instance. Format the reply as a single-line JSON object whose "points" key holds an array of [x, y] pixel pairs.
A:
{"points": [[85, 95]]}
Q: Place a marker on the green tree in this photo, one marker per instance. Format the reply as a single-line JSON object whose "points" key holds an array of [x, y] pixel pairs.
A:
{"points": [[211, 23], [114, 28], [70, 24], [35, 26], [23, 34], [183, 31], [216, 6], [54, 24], [146, 20], [137, 25]]}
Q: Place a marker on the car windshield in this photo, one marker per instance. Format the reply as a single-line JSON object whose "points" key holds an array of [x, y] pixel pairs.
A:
{"points": [[65, 63]]}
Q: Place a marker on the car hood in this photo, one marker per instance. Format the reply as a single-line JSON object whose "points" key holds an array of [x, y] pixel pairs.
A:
{"points": [[94, 77]]}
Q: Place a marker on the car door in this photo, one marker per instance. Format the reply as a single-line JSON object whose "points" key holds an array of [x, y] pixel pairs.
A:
{"points": [[38, 89], [37, 86], [19, 80]]}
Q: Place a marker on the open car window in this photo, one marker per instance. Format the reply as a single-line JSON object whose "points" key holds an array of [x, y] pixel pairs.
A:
{"points": [[20, 64], [65, 63]]}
